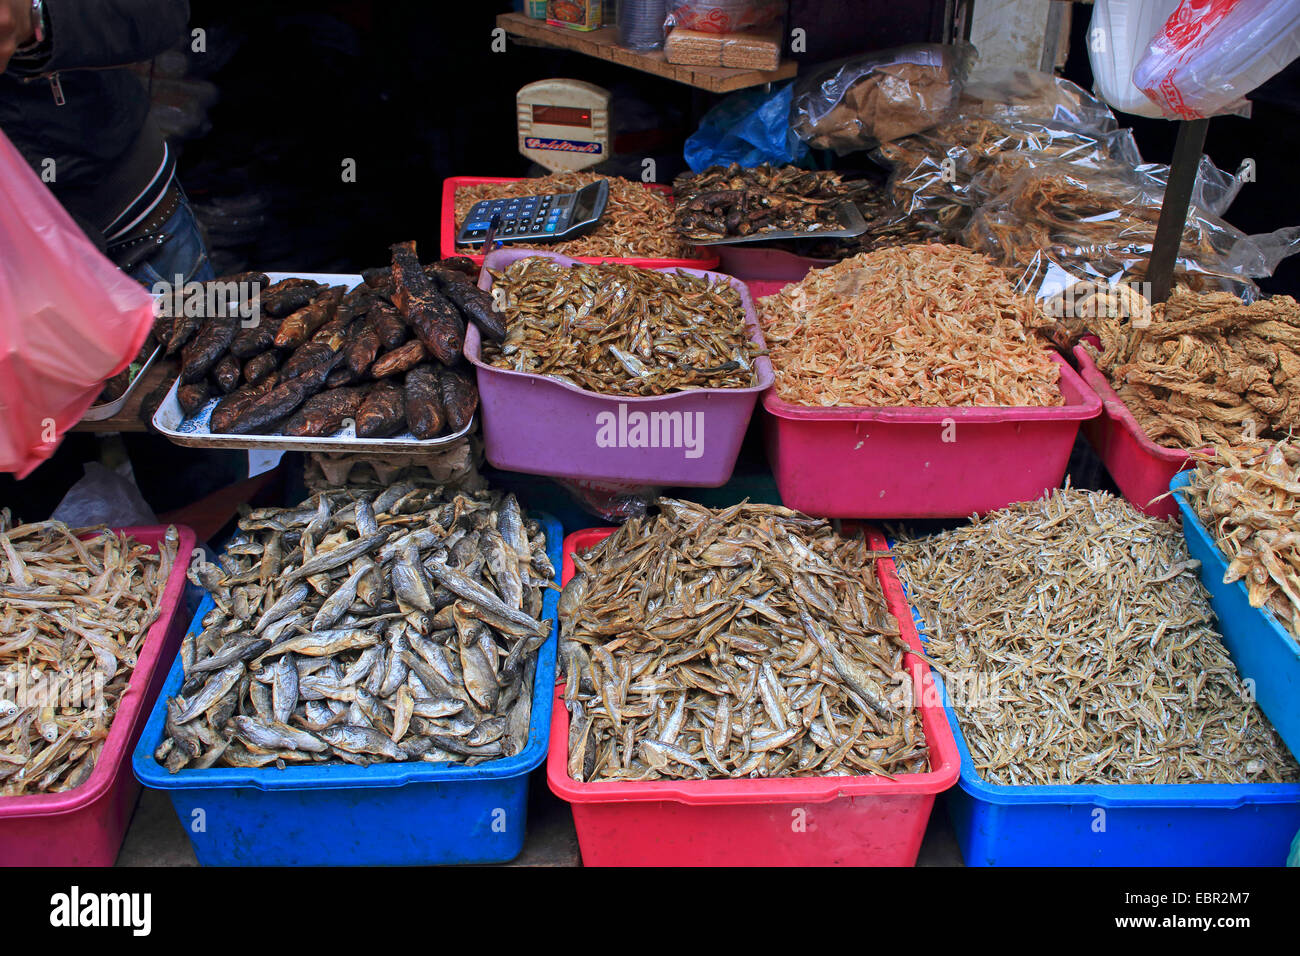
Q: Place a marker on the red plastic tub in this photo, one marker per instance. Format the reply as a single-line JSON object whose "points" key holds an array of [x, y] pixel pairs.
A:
{"points": [[85, 826], [452, 183], [1141, 468], [541, 426], [746, 261], [795, 821], [921, 462]]}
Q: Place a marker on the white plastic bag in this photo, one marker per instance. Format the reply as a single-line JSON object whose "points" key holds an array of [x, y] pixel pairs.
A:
{"points": [[1210, 53], [1117, 38]]}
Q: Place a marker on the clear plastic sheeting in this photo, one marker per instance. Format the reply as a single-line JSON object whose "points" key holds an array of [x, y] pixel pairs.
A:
{"points": [[876, 98]]}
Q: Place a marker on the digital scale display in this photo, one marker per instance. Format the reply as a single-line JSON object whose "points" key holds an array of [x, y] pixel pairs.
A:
{"points": [[563, 124]]}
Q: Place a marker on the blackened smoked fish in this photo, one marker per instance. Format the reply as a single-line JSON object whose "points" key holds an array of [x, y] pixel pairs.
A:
{"points": [[193, 397], [459, 397], [259, 367], [400, 360], [305, 358], [256, 339], [282, 400], [435, 321], [323, 414], [390, 325], [424, 414], [288, 295], [237, 402], [296, 329], [382, 412], [206, 349], [473, 302], [227, 374], [361, 347]]}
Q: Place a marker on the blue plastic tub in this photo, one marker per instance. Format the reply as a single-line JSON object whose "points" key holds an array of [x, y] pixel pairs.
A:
{"points": [[1119, 824], [389, 814], [1261, 647]]}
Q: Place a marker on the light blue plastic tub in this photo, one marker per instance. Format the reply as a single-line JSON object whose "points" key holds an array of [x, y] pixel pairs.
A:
{"points": [[389, 814], [1118, 824], [1260, 646]]}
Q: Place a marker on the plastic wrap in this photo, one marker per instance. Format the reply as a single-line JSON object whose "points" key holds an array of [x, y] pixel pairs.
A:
{"points": [[69, 320], [1031, 95], [1059, 224], [876, 98], [750, 128], [610, 500], [1210, 53], [725, 16]]}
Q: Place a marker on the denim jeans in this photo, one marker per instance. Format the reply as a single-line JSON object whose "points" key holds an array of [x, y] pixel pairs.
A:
{"points": [[182, 252]]}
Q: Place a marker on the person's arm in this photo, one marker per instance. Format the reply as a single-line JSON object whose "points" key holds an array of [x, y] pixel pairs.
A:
{"points": [[94, 34], [15, 27]]}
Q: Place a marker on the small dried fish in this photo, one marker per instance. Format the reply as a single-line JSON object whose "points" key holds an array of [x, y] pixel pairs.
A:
{"points": [[621, 330], [349, 652], [745, 201], [1249, 498], [73, 617], [1083, 627], [750, 641]]}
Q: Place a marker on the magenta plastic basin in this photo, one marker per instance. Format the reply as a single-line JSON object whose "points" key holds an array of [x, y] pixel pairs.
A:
{"points": [[541, 426], [1141, 468], [85, 826], [921, 462]]}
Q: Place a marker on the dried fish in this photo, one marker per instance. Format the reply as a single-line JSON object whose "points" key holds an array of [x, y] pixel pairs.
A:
{"points": [[933, 325], [73, 617], [1086, 641], [750, 641], [1248, 497], [746, 201], [621, 330], [349, 652]]}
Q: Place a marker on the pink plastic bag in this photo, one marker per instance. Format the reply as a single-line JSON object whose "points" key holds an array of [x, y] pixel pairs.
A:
{"points": [[69, 320], [725, 16]]}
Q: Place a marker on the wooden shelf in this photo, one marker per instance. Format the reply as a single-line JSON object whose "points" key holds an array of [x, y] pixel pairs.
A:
{"points": [[603, 44], [128, 419]]}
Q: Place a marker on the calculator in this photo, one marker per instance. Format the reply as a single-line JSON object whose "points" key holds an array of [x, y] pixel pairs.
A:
{"points": [[536, 218]]}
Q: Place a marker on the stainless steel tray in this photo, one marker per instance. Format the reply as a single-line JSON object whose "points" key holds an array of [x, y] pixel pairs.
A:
{"points": [[195, 433], [851, 224], [97, 413]]}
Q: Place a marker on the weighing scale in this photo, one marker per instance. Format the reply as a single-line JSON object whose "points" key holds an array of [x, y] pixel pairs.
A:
{"points": [[563, 124]]}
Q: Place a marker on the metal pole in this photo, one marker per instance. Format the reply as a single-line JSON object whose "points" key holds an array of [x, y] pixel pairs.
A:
{"points": [[1173, 211]]}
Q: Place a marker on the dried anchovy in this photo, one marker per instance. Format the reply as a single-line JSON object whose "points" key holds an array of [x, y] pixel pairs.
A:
{"points": [[1205, 368], [638, 222], [73, 617], [1249, 499], [1085, 629], [621, 330], [934, 325], [750, 641], [739, 201]]}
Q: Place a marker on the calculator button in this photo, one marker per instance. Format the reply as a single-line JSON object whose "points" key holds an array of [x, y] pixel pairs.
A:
{"points": [[550, 227]]}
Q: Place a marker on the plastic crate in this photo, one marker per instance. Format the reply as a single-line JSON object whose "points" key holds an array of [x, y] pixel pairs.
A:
{"points": [[1140, 468], [85, 826], [1194, 824], [541, 426], [914, 462], [452, 183], [794, 821], [386, 814], [1263, 650]]}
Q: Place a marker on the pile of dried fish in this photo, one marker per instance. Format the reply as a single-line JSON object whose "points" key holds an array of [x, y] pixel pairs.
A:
{"points": [[733, 200], [73, 617], [622, 330], [365, 628], [932, 325], [1085, 630], [383, 355], [1248, 497], [638, 222], [747, 642], [1205, 368]]}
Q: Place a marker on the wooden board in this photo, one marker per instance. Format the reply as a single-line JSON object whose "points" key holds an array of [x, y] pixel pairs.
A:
{"points": [[603, 44]]}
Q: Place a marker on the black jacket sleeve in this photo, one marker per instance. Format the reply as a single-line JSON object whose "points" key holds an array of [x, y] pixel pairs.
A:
{"points": [[95, 34]]}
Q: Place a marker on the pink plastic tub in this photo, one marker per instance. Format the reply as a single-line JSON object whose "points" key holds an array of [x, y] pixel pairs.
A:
{"points": [[745, 261], [921, 462], [795, 821], [541, 426], [706, 260], [85, 825], [1141, 468]]}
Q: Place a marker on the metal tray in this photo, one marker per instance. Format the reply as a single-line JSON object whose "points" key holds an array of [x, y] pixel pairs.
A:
{"points": [[194, 432], [97, 413], [851, 220]]}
